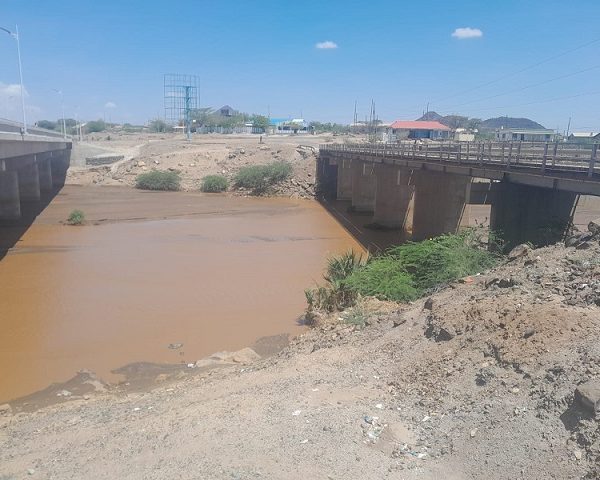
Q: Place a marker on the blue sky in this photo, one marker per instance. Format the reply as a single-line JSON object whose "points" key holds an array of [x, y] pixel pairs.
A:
{"points": [[109, 57]]}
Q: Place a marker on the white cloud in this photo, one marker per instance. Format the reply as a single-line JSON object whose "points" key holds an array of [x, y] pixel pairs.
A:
{"points": [[467, 32], [326, 45], [8, 90], [110, 105]]}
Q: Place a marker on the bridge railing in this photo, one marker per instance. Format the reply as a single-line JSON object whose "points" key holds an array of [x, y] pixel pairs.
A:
{"points": [[542, 156]]}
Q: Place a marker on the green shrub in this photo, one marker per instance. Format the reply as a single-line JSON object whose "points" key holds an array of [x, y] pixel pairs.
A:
{"points": [[76, 217], [440, 260], [158, 180], [336, 295], [214, 183], [384, 278], [259, 178], [402, 273]]}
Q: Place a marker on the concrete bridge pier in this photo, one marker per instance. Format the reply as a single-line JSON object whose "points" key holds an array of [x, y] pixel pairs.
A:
{"points": [[523, 213], [440, 202], [45, 174], [59, 165], [344, 179], [364, 187], [10, 204], [29, 183], [393, 195]]}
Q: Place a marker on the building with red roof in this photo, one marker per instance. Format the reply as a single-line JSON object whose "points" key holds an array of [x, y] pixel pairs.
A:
{"points": [[418, 129]]}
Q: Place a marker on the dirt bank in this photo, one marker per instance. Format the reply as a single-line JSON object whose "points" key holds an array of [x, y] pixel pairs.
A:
{"points": [[476, 382], [203, 155]]}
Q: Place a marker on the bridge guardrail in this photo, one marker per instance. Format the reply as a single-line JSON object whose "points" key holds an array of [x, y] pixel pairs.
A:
{"points": [[545, 156]]}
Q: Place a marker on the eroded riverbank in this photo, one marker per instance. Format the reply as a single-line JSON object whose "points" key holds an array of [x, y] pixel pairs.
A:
{"points": [[151, 269]]}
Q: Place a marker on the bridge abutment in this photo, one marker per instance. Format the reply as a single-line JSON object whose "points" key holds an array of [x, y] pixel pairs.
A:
{"points": [[440, 201], [523, 213], [393, 195], [364, 186], [10, 203]]}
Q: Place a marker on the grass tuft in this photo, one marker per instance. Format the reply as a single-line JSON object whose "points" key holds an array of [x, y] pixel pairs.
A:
{"points": [[76, 217]]}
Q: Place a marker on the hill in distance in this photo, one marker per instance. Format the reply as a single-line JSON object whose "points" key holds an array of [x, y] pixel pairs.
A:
{"points": [[510, 122], [489, 124]]}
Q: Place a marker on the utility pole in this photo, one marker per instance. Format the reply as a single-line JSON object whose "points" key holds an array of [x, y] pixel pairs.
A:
{"points": [[568, 128]]}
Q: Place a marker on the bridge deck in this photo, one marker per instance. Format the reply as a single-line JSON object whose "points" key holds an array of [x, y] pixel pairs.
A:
{"points": [[560, 166]]}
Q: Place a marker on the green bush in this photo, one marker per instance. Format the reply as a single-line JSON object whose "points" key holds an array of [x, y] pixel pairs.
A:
{"points": [[440, 260], [158, 180], [336, 295], [259, 178], [214, 183], [76, 217], [384, 278], [402, 273]]}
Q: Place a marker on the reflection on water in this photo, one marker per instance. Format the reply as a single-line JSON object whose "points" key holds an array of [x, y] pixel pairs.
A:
{"points": [[150, 269]]}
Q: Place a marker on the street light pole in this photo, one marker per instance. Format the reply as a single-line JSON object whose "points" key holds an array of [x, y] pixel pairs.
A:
{"points": [[15, 35], [62, 106]]}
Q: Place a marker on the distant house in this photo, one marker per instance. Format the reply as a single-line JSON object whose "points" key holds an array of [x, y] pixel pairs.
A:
{"points": [[583, 137], [464, 135], [418, 129], [226, 111], [288, 125], [525, 135]]}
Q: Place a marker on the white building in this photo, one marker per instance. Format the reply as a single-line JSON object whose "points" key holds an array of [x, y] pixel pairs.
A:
{"points": [[525, 135]]}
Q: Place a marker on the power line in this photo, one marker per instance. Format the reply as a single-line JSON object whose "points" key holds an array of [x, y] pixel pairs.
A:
{"points": [[520, 89], [524, 69], [548, 100]]}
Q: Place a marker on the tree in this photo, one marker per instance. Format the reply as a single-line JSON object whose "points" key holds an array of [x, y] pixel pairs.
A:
{"points": [[260, 121], [455, 121], [96, 126], [47, 124], [159, 126], [474, 123]]}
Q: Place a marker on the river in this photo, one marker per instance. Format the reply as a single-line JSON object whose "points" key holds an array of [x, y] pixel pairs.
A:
{"points": [[150, 269]]}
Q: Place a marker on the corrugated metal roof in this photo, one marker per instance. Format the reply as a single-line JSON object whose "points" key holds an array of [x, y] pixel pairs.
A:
{"points": [[418, 125]]}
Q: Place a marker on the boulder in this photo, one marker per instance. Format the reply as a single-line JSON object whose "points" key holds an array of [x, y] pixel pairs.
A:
{"points": [[245, 356], [588, 396], [519, 251], [594, 226]]}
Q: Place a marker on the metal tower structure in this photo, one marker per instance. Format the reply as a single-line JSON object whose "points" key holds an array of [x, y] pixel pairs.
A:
{"points": [[181, 98]]}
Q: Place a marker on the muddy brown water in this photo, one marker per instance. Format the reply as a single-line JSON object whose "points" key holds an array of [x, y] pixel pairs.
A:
{"points": [[151, 269]]}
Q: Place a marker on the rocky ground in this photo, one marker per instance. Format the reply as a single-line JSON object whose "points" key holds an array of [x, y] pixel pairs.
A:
{"points": [[477, 381], [204, 155]]}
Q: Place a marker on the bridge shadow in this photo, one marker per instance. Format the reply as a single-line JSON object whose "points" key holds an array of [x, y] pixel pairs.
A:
{"points": [[359, 226], [12, 231]]}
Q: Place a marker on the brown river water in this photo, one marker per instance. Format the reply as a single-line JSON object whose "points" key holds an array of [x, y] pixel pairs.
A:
{"points": [[150, 269]]}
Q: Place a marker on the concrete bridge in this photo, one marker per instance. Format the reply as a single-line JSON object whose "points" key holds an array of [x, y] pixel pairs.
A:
{"points": [[32, 169], [533, 189]]}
